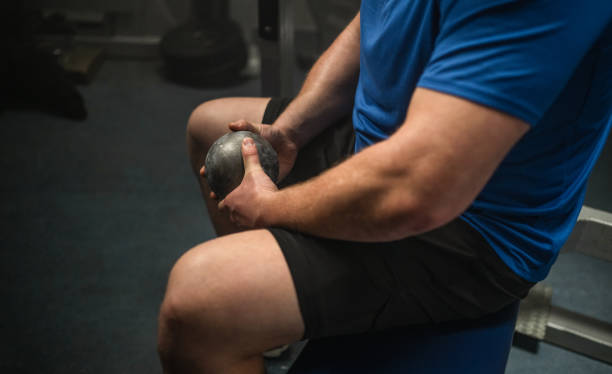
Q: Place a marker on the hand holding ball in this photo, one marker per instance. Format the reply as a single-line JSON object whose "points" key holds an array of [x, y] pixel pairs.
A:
{"points": [[225, 166]]}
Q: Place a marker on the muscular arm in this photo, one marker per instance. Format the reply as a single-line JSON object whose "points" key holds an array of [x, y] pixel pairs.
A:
{"points": [[420, 178], [328, 91]]}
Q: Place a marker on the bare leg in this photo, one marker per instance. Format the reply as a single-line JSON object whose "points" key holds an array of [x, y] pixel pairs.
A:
{"points": [[207, 123], [228, 300]]}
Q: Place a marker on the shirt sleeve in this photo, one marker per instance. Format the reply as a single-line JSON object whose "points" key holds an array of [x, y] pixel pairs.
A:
{"points": [[512, 55]]}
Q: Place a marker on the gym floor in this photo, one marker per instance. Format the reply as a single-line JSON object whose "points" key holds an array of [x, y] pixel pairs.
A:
{"points": [[95, 213]]}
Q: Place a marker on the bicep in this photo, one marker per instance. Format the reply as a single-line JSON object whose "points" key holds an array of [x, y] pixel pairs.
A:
{"points": [[452, 146]]}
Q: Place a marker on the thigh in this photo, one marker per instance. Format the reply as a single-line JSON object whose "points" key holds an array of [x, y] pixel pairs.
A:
{"points": [[354, 287], [241, 283]]}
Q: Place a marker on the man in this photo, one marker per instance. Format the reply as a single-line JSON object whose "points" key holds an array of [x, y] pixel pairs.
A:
{"points": [[476, 124]]}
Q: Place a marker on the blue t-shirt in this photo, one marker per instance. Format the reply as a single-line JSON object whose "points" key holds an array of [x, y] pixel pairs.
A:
{"points": [[547, 62]]}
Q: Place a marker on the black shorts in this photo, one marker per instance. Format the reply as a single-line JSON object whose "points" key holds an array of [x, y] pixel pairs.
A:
{"points": [[348, 287]]}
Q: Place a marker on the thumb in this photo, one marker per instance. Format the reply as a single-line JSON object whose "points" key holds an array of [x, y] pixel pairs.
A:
{"points": [[250, 156]]}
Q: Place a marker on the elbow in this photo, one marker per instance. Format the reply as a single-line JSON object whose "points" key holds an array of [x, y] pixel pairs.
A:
{"points": [[434, 218], [417, 216], [421, 218]]}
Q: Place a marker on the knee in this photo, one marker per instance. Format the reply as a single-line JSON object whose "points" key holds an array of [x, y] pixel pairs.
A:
{"points": [[205, 123], [167, 336], [186, 307], [183, 312], [184, 284], [199, 117], [175, 342]]}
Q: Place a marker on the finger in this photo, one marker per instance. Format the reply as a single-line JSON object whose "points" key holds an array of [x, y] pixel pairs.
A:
{"points": [[242, 125], [203, 171], [250, 156], [212, 195]]}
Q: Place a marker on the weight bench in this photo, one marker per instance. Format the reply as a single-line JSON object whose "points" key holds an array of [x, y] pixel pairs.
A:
{"points": [[466, 346]]}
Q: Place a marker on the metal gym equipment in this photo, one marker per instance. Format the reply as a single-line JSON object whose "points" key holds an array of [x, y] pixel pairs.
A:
{"points": [[540, 320], [277, 40]]}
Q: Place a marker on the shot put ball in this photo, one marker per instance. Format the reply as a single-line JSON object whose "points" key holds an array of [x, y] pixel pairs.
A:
{"points": [[224, 164]]}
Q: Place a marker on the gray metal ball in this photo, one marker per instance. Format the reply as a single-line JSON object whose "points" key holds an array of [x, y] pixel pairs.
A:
{"points": [[224, 164]]}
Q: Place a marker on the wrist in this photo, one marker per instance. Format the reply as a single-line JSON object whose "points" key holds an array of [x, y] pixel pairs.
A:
{"points": [[289, 128], [269, 215], [278, 210]]}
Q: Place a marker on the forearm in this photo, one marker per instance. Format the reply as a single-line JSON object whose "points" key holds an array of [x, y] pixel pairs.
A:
{"points": [[328, 91], [360, 200]]}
